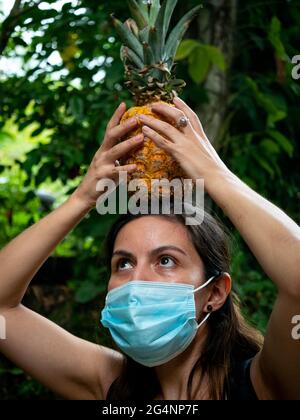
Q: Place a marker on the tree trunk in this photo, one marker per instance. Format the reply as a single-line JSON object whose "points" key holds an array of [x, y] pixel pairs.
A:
{"points": [[216, 27]]}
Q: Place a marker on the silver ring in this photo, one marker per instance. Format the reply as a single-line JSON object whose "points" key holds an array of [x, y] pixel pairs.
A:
{"points": [[182, 122]]}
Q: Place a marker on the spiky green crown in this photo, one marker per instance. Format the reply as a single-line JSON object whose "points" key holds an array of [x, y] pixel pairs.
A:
{"points": [[149, 49]]}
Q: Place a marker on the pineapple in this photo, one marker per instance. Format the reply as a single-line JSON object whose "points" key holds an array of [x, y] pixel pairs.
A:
{"points": [[148, 52]]}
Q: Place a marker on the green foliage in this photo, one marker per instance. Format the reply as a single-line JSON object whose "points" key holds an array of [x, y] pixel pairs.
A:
{"points": [[274, 37], [255, 291], [200, 57], [54, 111]]}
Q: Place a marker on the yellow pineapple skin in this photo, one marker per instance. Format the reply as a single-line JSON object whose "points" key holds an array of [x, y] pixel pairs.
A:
{"points": [[152, 162]]}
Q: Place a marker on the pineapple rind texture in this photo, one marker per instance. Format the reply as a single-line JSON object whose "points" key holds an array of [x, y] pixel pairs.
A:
{"points": [[152, 161]]}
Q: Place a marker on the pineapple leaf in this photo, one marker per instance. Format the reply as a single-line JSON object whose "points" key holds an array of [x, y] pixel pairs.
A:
{"points": [[154, 11], [127, 53], [148, 55], [178, 32], [177, 83], [139, 14], [144, 9], [163, 19], [127, 37], [144, 34], [155, 44], [132, 26]]}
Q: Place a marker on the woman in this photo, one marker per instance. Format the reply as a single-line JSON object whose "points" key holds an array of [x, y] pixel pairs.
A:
{"points": [[223, 358]]}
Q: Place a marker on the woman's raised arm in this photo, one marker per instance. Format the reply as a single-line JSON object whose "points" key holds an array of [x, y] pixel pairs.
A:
{"points": [[23, 256], [272, 236], [71, 367]]}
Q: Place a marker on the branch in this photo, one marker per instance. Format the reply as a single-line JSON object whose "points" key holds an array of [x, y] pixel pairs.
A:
{"points": [[12, 20], [9, 25]]}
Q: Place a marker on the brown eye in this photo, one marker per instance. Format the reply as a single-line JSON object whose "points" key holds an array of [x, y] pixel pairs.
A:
{"points": [[167, 261]]}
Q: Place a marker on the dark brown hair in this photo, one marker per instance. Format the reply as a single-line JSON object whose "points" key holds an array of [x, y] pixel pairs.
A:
{"points": [[230, 338]]}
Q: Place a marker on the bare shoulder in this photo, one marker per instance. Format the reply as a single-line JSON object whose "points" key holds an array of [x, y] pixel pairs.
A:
{"points": [[110, 363]]}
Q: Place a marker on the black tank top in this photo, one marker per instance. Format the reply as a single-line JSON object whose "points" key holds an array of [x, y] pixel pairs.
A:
{"points": [[240, 385]]}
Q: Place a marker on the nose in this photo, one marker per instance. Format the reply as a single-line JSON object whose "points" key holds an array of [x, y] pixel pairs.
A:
{"points": [[144, 271]]}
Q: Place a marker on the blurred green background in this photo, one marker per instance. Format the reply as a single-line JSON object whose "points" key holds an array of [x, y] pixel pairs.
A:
{"points": [[61, 78]]}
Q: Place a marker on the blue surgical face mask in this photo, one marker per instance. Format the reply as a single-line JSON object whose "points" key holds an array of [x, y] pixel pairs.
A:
{"points": [[152, 322]]}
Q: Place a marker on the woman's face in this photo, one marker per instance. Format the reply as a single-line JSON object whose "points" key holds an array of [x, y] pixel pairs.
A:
{"points": [[153, 248]]}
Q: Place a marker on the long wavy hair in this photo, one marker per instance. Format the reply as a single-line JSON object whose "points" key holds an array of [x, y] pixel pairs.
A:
{"points": [[230, 339]]}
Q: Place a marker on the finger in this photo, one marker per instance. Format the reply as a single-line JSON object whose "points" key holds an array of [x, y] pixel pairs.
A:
{"points": [[121, 130], [129, 168], [161, 127], [123, 148], [196, 124], [115, 134], [159, 140], [126, 168], [115, 119], [172, 114]]}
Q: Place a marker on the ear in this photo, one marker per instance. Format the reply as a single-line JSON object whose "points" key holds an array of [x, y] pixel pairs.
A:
{"points": [[220, 289]]}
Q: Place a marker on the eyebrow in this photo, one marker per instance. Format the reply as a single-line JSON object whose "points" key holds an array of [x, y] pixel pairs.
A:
{"points": [[154, 252]]}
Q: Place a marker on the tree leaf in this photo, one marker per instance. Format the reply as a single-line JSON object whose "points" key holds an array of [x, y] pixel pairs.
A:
{"points": [[274, 37], [264, 164], [216, 56], [185, 48], [283, 142], [269, 147], [199, 64], [76, 107], [88, 291]]}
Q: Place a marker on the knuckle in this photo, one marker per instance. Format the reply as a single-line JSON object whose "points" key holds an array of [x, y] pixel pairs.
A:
{"points": [[99, 173], [104, 156], [181, 113], [108, 136], [129, 122], [165, 125], [94, 165], [132, 141]]}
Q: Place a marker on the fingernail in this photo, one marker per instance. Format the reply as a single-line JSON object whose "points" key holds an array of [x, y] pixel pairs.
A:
{"points": [[139, 137], [142, 117], [145, 128], [132, 121]]}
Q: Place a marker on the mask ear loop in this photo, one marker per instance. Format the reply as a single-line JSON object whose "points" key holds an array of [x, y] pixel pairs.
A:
{"points": [[203, 320], [205, 284], [199, 288]]}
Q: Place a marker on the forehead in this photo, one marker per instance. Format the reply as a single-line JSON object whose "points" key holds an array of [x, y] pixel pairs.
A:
{"points": [[146, 233]]}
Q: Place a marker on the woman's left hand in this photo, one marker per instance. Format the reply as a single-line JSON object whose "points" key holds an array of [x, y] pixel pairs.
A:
{"points": [[189, 146]]}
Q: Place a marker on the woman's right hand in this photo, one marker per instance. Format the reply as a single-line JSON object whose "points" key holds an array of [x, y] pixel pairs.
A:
{"points": [[103, 163]]}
